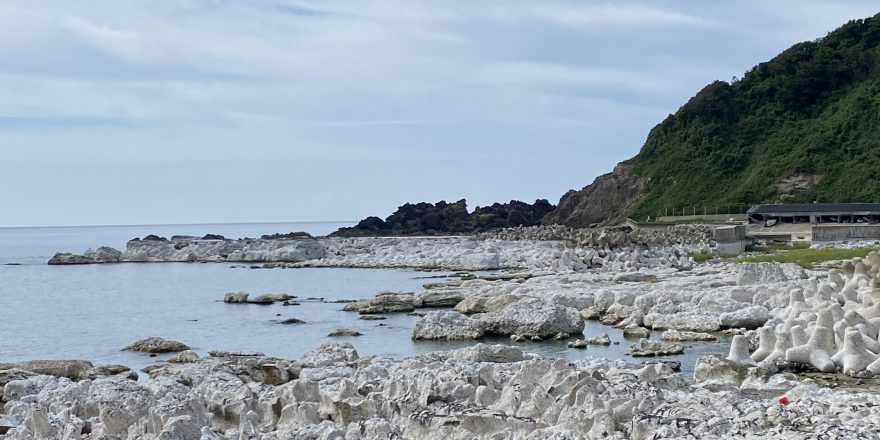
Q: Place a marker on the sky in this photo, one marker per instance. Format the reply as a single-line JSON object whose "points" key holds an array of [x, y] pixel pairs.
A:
{"points": [[217, 111]]}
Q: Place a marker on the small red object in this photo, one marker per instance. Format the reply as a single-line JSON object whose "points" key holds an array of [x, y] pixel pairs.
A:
{"points": [[784, 400]]}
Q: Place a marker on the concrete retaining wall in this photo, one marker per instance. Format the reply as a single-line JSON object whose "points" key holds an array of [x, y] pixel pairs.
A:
{"points": [[720, 218], [648, 226], [825, 233]]}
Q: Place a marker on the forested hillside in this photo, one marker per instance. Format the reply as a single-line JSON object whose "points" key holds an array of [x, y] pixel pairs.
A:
{"points": [[803, 126]]}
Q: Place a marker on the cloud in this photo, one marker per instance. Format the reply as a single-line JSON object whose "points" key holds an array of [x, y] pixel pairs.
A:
{"points": [[560, 75], [345, 88], [593, 15]]}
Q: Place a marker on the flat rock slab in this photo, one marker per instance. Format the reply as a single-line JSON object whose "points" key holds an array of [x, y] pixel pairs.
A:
{"points": [[71, 369], [345, 332], [680, 335], [372, 317]]}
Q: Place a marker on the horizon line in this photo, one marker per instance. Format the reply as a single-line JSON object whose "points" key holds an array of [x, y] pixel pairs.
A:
{"points": [[179, 224]]}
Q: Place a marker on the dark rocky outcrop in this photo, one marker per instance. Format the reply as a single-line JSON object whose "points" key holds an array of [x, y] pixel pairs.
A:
{"points": [[607, 200], [62, 258], [444, 218], [288, 236]]}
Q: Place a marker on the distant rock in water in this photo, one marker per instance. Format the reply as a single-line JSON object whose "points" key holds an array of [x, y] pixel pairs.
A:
{"points": [[445, 218], [157, 345], [104, 254], [288, 236]]}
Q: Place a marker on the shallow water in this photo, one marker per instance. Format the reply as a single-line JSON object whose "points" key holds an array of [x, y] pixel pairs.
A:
{"points": [[91, 312]]}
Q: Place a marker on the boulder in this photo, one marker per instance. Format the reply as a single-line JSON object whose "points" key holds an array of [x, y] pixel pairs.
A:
{"points": [[111, 370], [438, 298], [156, 345], [471, 305], [750, 317], [184, 357], [647, 347], [636, 332], [533, 317], [602, 339], [105, 254], [330, 354], [578, 343], [447, 325], [236, 297], [270, 298], [12, 374]]}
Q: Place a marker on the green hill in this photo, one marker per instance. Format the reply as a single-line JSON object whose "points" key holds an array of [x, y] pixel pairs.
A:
{"points": [[802, 127]]}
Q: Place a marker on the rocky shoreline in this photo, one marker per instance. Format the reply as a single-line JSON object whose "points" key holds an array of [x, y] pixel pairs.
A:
{"points": [[480, 392], [643, 284]]}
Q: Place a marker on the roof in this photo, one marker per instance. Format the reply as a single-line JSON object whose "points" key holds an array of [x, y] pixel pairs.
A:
{"points": [[817, 208]]}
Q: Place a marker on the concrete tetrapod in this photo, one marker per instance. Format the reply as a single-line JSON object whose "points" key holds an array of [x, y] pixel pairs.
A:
{"points": [[816, 352], [854, 357], [854, 319], [739, 351], [783, 343], [766, 344], [825, 319], [798, 336]]}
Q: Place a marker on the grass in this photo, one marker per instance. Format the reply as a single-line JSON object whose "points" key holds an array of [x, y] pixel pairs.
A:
{"points": [[700, 257], [773, 246], [808, 257]]}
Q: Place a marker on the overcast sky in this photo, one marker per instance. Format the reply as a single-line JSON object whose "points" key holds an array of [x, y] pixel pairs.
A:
{"points": [[189, 111]]}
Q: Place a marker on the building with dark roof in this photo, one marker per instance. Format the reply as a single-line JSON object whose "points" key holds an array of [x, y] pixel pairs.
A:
{"points": [[816, 213]]}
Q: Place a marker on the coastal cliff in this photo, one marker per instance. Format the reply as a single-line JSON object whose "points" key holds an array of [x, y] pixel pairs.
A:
{"points": [[607, 200]]}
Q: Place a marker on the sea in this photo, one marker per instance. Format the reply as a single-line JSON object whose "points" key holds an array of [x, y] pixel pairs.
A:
{"points": [[92, 312]]}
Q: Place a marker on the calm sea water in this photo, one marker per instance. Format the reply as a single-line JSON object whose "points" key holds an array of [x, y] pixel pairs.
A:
{"points": [[91, 312]]}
